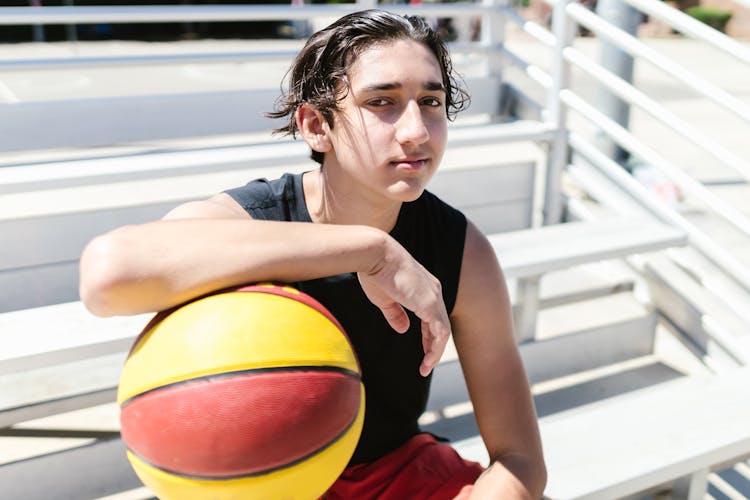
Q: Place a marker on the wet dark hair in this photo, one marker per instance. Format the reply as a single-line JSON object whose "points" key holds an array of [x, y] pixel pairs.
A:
{"points": [[321, 65]]}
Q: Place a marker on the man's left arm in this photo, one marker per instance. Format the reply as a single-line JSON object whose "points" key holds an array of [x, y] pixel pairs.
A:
{"points": [[498, 386]]}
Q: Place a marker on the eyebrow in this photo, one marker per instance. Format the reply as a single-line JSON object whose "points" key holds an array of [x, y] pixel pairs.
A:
{"points": [[429, 85]]}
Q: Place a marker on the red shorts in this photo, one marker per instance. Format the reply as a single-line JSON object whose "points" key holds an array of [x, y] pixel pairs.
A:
{"points": [[422, 468]]}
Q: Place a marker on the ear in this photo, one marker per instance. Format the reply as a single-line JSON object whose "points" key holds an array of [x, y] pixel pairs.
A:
{"points": [[313, 128]]}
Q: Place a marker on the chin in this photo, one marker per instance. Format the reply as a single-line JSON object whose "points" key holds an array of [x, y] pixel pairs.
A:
{"points": [[407, 192]]}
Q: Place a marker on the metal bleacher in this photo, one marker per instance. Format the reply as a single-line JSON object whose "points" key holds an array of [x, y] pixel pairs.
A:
{"points": [[630, 315]]}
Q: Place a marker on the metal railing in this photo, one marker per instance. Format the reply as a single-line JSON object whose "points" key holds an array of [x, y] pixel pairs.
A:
{"points": [[485, 49], [10, 16], [563, 99]]}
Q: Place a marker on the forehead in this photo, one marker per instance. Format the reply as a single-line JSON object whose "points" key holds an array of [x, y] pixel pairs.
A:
{"points": [[394, 62]]}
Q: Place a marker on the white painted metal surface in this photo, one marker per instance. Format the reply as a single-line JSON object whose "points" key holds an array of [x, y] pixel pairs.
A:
{"points": [[62, 333], [526, 253], [627, 444]]}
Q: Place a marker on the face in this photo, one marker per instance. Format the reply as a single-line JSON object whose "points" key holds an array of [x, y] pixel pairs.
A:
{"points": [[389, 132]]}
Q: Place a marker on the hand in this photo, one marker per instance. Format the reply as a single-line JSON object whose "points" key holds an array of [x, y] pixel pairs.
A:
{"points": [[398, 281]]}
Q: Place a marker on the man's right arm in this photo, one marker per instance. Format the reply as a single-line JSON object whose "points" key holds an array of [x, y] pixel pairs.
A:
{"points": [[204, 246]]}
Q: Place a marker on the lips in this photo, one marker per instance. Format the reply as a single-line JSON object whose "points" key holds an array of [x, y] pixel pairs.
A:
{"points": [[410, 163]]}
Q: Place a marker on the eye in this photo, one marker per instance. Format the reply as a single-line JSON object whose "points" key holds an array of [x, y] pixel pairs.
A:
{"points": [[378, 102], [431, 101]]}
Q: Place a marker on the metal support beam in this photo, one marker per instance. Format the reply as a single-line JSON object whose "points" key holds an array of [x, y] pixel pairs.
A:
{"points": [[557, 157], [620, 63], [524, 317], [692, 487]]}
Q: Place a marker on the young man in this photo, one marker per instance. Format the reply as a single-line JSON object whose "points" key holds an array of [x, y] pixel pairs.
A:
{"points": [[401, 270]]}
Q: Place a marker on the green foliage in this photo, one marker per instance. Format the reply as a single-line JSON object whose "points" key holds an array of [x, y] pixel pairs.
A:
{"points": [[716, 18]]}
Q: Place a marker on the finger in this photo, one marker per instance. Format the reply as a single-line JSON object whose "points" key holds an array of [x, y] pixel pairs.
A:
{"points": [[434, 339], [396, 316]]}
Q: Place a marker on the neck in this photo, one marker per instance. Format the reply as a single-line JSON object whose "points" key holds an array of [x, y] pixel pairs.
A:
{"points": [[334, 202]]}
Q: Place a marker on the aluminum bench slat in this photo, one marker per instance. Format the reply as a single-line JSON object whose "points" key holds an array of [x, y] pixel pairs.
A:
{"points": [[534, 252], [636, 441]]}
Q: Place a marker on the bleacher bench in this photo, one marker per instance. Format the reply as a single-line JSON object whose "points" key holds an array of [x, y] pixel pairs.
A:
{"points": [[77, 363], [49, 211], [671, 433]]}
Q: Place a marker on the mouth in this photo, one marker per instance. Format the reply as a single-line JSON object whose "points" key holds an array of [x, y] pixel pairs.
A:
{"points": [[410, 163]]}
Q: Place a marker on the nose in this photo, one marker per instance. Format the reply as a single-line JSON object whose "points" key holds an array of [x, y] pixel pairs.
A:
{"points": [[410, 126]]}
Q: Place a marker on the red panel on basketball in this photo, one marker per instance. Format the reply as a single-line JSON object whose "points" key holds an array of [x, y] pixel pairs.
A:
{"points": [[230, 426]]}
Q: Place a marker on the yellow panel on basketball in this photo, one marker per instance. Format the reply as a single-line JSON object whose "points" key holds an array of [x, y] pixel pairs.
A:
{"points": [[220, 333]]}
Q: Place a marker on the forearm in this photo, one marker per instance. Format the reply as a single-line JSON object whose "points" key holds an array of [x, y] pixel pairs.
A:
{"points": [[157, 265]]}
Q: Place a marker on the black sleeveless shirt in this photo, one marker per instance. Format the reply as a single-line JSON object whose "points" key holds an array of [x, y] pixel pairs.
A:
{"points": [[395, 392]]}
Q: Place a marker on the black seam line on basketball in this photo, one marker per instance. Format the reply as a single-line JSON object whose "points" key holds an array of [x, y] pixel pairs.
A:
{"points": [[259, 473], [212, 376]]}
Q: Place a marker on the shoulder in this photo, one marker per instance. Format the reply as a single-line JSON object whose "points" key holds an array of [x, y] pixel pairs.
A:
{"points": [[258, 199], [478, 246], [220, 206], [264, 193], [280, 199], [482, 283]]}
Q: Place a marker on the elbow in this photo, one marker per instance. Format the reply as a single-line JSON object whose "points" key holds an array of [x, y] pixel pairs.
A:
{"points": [[536, 478], [102, 274], [540, 479]]}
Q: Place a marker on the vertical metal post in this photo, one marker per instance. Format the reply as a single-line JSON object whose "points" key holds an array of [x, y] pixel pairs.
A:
{"points": [[556, 115], [525, 315], [188, 27], [70, 29], [620, 63], [37, 30], [492, 39], [692, 487]]}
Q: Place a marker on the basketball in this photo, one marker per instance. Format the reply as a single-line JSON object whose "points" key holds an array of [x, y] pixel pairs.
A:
{"points": [[243, 394]]}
